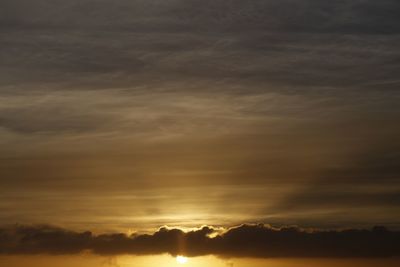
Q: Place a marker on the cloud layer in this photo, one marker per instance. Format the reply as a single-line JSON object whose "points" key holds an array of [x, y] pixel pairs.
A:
{"points": [[242, 241], [287, 109]]}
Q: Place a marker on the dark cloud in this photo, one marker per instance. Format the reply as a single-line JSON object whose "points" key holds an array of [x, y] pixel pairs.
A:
{"points": [[361, 16], [375, 165], [38, 122], [360, 182], [242, 241], [284, 43]]}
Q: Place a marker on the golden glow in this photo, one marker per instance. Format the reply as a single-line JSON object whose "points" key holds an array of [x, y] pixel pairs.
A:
{"points": [[181, 259], [89, 260]]}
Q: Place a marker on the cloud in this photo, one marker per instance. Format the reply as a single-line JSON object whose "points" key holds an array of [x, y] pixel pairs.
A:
{"points": [[248, 240], [288, 43], [189, 92], [361, 16], [354, 181]]}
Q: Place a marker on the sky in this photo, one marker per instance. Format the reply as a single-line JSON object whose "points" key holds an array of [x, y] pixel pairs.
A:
{"points": [[120, 117]]}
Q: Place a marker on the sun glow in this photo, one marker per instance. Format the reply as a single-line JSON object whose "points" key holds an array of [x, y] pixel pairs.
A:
{"points": [[181, 259]]}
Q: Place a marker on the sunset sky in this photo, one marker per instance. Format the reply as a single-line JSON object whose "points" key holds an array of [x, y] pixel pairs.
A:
{"points": [[253, 126]]}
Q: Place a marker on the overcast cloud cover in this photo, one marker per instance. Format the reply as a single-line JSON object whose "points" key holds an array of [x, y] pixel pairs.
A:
{"points": [[279, 111]]}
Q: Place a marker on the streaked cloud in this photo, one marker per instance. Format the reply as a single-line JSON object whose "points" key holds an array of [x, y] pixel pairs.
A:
{"points": [[287, 110]]}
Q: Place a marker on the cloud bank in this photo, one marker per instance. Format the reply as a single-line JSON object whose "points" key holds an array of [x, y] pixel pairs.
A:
{"points": [[247, 240]]}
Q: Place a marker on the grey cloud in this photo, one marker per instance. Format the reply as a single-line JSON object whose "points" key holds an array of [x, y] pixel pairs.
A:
{"points": [[367, 180], [321, 198], [361, 16], [50, 121], [376, 165], [284, 91], [299, 44]]}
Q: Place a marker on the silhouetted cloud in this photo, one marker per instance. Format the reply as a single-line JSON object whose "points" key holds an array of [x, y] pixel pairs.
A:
{"points": [[243, 241]]}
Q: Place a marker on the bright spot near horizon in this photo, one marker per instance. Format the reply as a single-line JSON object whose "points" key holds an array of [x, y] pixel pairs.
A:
{"points": [[181, 259]]}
